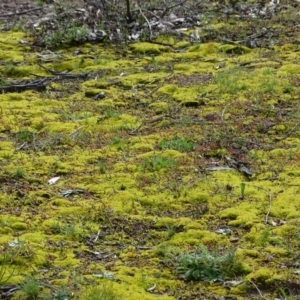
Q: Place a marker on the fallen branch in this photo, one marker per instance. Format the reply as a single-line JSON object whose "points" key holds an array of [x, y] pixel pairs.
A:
{"points": [[64, 74], [24, 12], [38, 85]]}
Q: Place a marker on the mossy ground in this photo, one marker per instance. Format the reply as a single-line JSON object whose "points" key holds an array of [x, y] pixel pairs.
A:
{"points": [[134, 184]]}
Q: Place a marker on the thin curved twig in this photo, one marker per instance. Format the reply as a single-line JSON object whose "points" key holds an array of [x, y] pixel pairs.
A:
{"points": [[148, 23], [170, 7], [24, 12]]}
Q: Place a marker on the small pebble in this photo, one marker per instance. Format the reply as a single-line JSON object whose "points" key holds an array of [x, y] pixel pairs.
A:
{"points": [[99, 96]]}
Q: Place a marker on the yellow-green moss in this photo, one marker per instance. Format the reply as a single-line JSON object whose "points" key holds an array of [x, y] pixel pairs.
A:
{"points": [[248, 252], [261, 276], [276, 251], [168, 89], [19, 226], [73, 134], [241, 214], [148, 48], [195, 238], [234, 49], [195, 196]]}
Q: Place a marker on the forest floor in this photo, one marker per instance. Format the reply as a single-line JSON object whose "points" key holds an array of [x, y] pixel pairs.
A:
{"points": [[155, 161]]}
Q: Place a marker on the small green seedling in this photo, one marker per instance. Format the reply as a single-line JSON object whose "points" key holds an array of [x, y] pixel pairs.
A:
{"points": [[243, 187]]}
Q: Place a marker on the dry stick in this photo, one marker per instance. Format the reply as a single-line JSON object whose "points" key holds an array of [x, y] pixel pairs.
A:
{"points": [[270, 207], [154, 90], [21, 12], [223, 112], [270, 202], [260, 293], [97, 236], [150, 29], [290, 132], [170, 7], [75, 131]]}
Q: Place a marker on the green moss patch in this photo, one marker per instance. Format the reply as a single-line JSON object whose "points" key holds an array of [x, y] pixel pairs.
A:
{"points": [[194, 146]]}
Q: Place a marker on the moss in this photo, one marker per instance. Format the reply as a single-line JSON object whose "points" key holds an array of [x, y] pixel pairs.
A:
{"points": [[217, 152], [97, 84], [289, 69], [277, 251], [19, 226], [168, 89], [169, 153], [261, 276], [196, 196], [287, 230], [72, 134], [40, 258], [234, 49], [148, 48], [206, 49], [159, 106], [142, 146], [169, 39], [242, 214], [248, 252], [7, 230], [195, 238], [61, 202], [132, 80], [67, 261], [181, 45]]}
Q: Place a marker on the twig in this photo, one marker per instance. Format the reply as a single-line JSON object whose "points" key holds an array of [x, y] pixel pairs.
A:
{"points": [[269, 209], [97, 236], [223, 112], [21, 146], [290, 132], [170, 7], [270, 202], [260, 293], [75, 131], [21, 12], [134, 131], [150, 29], [152, 91]]}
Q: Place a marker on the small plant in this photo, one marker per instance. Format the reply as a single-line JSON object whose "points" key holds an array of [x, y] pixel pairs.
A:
{"points": [[209, 266], [24, 136], [56, 228], [156, 163], [102, 292], [111, 113], [101, 167], [153, 62], [70, 231], [171, 231], [62, 294], [230, 81], [19, 173], [243, 187], [67, 35], [30, 288], [5, 260], [180, 144]]}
